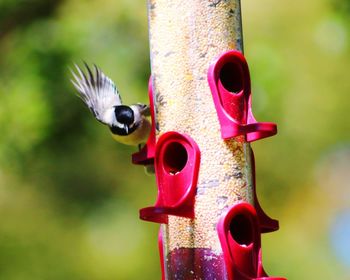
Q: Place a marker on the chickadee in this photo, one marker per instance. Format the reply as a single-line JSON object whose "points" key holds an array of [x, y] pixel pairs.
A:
{"points": [[129, 124]]}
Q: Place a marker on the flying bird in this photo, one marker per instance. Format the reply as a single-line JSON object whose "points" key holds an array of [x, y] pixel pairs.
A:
{"points": [[129, 125]]}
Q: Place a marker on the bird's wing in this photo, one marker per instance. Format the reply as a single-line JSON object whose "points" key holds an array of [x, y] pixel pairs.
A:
{"points": [[97, 91]]}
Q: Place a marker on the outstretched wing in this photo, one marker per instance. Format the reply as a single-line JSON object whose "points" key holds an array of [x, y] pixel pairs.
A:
{"points": [[97, 91]]}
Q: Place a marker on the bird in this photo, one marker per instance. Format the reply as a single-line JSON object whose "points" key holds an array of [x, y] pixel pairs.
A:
{"points": [[129, 125]]}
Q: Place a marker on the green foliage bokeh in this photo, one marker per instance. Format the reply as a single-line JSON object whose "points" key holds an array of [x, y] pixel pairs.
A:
{"points": [[69, 196]]}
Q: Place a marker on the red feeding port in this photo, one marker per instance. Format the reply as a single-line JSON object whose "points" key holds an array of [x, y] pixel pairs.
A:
{"points": [[229, 82], [177, 161], [239, 234]]}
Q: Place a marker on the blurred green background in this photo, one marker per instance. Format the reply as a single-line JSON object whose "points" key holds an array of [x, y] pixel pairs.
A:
{"points": [[69, 196]]}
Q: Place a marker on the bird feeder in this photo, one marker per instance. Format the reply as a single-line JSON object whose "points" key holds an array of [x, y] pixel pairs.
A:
{"points": [[200, 96]]}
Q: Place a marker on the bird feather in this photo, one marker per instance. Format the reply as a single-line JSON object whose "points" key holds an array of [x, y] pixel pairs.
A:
{"points": [[97, 91]]}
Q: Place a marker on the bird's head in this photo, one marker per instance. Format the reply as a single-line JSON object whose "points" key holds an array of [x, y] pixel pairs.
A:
{"points": [[125, 120]]}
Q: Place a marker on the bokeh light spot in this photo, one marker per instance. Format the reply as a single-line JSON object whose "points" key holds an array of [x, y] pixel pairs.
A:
{"points": [[340, 236], [330, 36]]}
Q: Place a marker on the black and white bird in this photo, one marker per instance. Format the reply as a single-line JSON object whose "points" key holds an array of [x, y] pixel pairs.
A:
{"points": [[129, 125]]}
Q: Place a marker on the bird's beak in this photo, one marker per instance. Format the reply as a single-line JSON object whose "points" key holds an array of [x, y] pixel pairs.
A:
{"points": [[126, 128]]}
